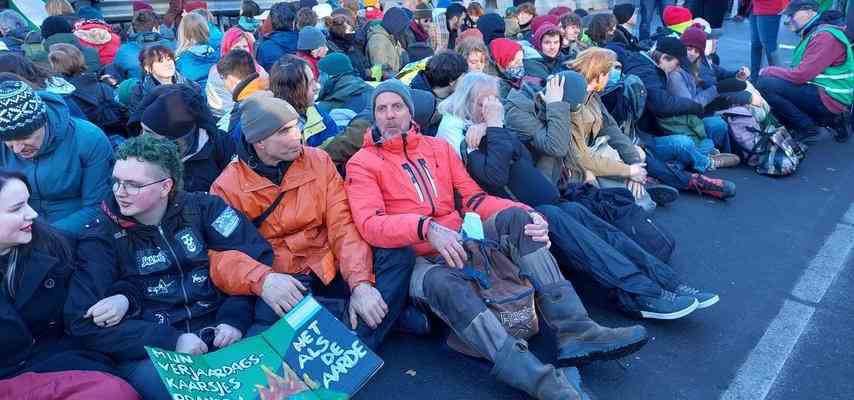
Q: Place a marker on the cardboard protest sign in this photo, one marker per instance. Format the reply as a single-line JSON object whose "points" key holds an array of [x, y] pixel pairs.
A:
{"points": [[307, 355]]}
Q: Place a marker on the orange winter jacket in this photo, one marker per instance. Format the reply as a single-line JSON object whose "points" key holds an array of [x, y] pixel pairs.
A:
{"points": [[311, 230], [397, 187]]}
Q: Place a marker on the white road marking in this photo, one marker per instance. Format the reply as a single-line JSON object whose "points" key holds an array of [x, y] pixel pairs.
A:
{"points": [[756, 376]]}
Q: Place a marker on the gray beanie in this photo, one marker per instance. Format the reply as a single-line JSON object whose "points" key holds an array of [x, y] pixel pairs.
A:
{"points": [[310, 38], [262, 114], [574, 88], [22, 111], [397, 87]]}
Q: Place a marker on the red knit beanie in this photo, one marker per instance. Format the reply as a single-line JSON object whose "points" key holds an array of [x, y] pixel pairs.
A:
{"points": [[195, 5], [560, 11], [540, 20], [548, 27], [139, 5], [695, 37], [674, 15], [504, 51]]}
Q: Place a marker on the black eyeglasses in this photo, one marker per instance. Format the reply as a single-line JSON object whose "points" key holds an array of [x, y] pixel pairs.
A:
{"points": [[131, 188]]}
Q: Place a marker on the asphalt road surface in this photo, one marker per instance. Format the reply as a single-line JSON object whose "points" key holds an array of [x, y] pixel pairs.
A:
{"points": [[778, 256]]}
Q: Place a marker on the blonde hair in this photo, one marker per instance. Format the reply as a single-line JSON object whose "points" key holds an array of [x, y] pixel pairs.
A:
{"points": [[66, 59], [58, 7], [470, 45], [192, 30], [593, 63]]}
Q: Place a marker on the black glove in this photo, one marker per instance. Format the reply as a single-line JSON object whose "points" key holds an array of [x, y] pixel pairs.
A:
{"points": [[731, 85]]}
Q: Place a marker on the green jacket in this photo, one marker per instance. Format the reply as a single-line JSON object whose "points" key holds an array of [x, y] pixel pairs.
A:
{"points": [[837, 81]]}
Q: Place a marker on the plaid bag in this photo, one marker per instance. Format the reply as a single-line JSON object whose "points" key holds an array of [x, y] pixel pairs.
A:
{"points": [[777, 153]]}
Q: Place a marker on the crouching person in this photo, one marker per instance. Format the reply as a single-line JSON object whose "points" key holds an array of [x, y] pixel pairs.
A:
{"points": [[401, 188], [296, 198], [38, 359], [147, 253]]}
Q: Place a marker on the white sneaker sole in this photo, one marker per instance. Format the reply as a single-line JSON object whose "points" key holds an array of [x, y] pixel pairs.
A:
{"points": [[673, 315], [709, 302]]}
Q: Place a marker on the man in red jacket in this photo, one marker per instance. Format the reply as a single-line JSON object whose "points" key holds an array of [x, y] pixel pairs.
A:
{"points": [[401, 188]]}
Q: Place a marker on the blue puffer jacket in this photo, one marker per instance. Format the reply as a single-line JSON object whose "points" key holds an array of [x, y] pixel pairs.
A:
{"points": [[126, 63], [275, 46], [215, 37], [70, 174], [195, 63]]}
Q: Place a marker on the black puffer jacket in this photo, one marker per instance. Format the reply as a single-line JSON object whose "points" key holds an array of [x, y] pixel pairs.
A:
{"points": [[164, 272]]}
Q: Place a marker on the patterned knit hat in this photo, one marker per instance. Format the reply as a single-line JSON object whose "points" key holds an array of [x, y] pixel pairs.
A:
{"points": [[22, 111]]}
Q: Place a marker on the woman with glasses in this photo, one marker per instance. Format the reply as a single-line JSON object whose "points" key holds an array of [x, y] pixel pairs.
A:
{"points": [[150, 245], [35, 270], [292, 80]]}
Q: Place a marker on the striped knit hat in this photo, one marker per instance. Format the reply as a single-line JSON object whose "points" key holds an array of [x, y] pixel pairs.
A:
{"points": [[22, 111]]}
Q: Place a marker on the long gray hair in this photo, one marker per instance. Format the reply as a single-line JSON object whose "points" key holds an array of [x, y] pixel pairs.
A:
{"points": [[461, 103]]}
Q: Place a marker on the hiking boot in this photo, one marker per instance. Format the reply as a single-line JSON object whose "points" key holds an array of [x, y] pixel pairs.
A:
{"points": [[412, 321], [842, 128], [581, 340], [704, 299], [517, 367], [667, 305], [661, 194], [724, 160], [717, 188], [574, 378]]}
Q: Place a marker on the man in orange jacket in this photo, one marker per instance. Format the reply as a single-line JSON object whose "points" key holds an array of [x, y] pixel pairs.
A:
{"points": [[401, 187], [296, 199]]}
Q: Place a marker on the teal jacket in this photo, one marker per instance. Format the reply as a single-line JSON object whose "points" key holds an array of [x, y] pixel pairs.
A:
{"points": [[69, 177]]}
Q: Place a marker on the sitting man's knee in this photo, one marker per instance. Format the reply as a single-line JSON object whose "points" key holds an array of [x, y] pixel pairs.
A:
{"points": [[511, 220]]}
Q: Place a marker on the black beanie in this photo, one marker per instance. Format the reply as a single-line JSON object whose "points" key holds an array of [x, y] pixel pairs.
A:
{"points": [[672, 47], [624, 12], [56, 24], [491, 26], [395, 20], [170, 111]]}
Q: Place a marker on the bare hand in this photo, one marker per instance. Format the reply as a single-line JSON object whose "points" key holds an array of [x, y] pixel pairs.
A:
{"points": [[493, 112], [554, 90], [110, 80], [282, 292], [109, 311], [366, 302], [474, 134], [637, 172], [189, 343], [538, 229], [226, 335], [743, 73], [636, 188], [448, 244]]}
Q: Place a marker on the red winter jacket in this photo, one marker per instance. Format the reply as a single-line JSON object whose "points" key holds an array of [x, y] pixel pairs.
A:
{"points": [[397, 187], [98, 35], [769, 7]]}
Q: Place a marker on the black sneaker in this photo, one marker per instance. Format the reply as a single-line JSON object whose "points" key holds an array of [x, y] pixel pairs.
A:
{"points": [[704, 299], [412, 321], [667, 305], [661, 194]]}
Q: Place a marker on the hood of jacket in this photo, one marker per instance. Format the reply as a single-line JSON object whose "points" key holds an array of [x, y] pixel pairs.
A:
{"points": [[287, 40], [253, 83], [95, 32], [59, 123], [203, 53], [342, 88], [830, 17], [411, 138]]}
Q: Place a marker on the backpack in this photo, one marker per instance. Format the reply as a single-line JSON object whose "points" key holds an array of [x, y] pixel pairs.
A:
{"points": [[625, 102], [777, 153], [744, 130], [507, 294]]}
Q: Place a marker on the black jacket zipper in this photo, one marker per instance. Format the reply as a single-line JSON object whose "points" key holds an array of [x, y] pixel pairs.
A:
{"points": [[181, 279], [409, 160]]}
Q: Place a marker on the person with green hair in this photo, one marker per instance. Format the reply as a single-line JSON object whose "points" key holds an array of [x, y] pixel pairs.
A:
{"points": [[146, 255]]}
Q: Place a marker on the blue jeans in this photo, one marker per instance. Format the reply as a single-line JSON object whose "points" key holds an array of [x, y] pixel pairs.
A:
{"points": [[668, 173], [648, 9], [798, 107], [763, 40], [718, 131], [680, 149]]}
